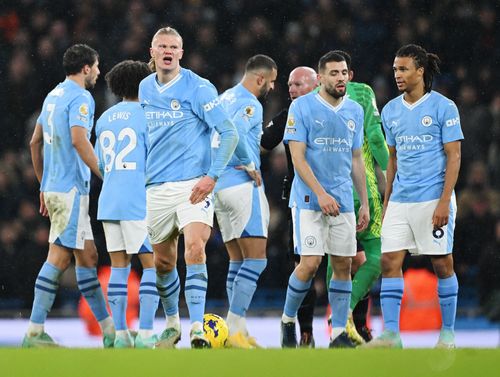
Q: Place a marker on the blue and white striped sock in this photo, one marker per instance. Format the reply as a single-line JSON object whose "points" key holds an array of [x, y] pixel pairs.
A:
{"points": [[295, 293], [117, 296], [148, 297], [234, 267], [46, 286], [339, 296], [169, 286], [391, 294], [91, 289], [245, 284], [448, 292], [195, 291]]}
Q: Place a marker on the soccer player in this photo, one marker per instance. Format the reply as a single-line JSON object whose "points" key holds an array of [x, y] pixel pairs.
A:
{"points": [[366, 264], [121, 150], [240, 202], [325, 134], [181, 110], [301, 81], [423, 133], [62, 159]]}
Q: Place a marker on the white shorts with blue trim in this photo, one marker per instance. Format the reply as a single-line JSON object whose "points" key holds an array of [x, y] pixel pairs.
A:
{"points": [[128, 235], [242, 211], [317, 234], [169, 209], [408, 226], [69, 218]]}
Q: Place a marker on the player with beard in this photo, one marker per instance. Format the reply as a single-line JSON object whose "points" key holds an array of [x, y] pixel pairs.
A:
{"points": [[325, 134], [240, 202], [301, 80]]}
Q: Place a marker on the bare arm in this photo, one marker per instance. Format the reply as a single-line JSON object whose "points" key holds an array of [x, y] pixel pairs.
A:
{"points": [[442, 211], [359, 179], [36, 146], [84, 149], [328, 204], [392, 168]]}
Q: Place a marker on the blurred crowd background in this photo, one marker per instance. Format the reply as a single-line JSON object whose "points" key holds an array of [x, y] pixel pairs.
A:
{"points": [[219, 36]]}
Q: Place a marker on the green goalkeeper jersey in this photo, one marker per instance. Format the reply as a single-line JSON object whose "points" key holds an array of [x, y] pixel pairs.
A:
{"points": [[374, 146]]}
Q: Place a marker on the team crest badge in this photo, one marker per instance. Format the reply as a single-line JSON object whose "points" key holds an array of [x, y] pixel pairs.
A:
{"points": [[175, 105], [426, 121], [83, 109], [249, 111], [351, 125]]}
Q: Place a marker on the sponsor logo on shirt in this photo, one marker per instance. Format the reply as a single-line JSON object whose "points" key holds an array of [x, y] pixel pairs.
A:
{"points": [[212, 104], [453, 122], [334, 144], [413, 142]]}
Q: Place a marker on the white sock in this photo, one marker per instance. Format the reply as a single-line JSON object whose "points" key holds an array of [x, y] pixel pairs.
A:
{"points": [[107, 326], [287, 319], [144, 334], [235, 323], [196, 326], [34, 329], [174, 321], [336, 331], [122, 334]]}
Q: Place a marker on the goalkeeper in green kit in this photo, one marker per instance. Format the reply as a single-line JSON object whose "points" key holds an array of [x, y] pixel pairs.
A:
{"points": [[366, 270]]}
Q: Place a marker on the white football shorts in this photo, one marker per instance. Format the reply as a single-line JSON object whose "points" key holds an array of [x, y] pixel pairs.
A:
{"points": [[408, 226], [131, 236], [169, 209], [317, 234], [242, 211], [69, 218]]}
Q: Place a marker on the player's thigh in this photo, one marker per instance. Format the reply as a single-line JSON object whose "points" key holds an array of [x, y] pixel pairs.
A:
{"points": [[196, 235], [162, 202], [341, 235], [69, 218], [430, 241], [242, 211], [188, 213], [396, 231], [309, 232]]}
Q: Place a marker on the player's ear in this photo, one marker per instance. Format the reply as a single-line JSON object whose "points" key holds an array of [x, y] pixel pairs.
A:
{"points": [[351, 75], [181, 53], [151, 52]]}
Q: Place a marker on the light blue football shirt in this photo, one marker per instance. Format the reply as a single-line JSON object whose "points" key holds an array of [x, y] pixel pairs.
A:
{"points": [[418, 131], [246, 112], [67, 105], [330, 134], [121, 152], [180, 116]]}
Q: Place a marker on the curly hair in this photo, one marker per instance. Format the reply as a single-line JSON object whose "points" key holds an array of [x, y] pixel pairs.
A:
{"points": [[430, 62], [124, 78]]}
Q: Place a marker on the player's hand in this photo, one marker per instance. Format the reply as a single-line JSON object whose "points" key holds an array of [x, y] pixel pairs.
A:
{"points": [[363, 218], [43, 209], [441, 214], [329, 205], [252, 172], [202, 189]]}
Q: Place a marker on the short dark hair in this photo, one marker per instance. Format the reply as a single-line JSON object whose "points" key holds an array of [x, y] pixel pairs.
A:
{"points": [[430, 62], [260, 61], [78, 56], [330, 56], [124, 78], [346, 56]]}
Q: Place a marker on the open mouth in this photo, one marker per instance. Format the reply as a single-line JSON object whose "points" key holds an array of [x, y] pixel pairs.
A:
{"points": [[167, 59]]}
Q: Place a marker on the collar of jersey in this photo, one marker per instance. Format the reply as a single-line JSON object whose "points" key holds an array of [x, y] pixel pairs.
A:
{"points": [[333, 108], [162, 88], [413, 105]]}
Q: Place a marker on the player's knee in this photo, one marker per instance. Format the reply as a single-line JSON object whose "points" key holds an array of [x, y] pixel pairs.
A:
{"points": [[443, 267], [387, 264], [195, 251], [163, 264]]}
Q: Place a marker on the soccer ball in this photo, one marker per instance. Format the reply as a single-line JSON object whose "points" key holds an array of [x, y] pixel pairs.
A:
{"points": [[215, 329]]}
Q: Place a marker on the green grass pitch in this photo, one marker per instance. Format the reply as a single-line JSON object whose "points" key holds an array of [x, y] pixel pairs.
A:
{"points": [[255, 363]]}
